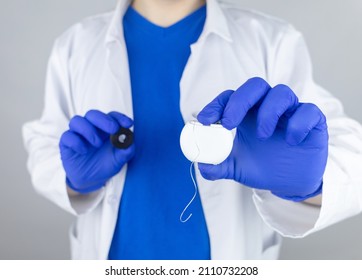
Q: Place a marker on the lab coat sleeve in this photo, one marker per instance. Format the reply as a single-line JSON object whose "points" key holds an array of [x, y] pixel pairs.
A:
{"points": [[342, 182], [41, 137]]}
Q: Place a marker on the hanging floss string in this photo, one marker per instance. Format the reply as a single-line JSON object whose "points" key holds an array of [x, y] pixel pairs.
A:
{"points": [[216, 143], [195, 186], [193, 197]]}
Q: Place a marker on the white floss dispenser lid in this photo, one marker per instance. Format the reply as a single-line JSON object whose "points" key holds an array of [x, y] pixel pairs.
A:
{"points": [[210, 144]]}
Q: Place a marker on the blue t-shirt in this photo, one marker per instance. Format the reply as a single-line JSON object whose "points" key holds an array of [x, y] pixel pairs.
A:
{"points": [[158, 184]]}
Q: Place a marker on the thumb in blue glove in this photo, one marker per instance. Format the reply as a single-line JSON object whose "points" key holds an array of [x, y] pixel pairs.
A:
{"points": [[89, 159], [281, 145]]}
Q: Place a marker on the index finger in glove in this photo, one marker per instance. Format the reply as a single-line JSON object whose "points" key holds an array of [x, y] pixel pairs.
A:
{"points": [[213, 111], [242, 100], [122, 119], [102, 121]]}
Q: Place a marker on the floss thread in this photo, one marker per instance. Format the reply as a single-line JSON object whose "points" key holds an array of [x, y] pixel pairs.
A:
{"points": [[195, 185]]}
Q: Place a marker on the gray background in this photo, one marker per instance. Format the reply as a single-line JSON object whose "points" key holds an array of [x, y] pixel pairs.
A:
{"points": [[33, 228]]}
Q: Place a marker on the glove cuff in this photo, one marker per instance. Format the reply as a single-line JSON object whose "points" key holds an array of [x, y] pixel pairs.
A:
{"points": [[83, 190], [301, 198]]}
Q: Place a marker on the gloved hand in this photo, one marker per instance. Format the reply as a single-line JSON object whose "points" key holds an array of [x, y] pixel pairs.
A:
{"points": [[280, 145], [88, 157]]}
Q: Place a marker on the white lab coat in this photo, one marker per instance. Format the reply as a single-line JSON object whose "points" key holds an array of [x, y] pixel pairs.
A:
{"points": [[88, 69]]}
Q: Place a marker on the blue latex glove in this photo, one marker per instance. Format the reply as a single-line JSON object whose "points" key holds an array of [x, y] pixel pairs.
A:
{"points": [[88, 157], [281, 145]]}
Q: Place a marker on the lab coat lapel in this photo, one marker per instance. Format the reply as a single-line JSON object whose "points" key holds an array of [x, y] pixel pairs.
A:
{"points": [[206, 76], [211, 69], [117, 58], [117, 65]]}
